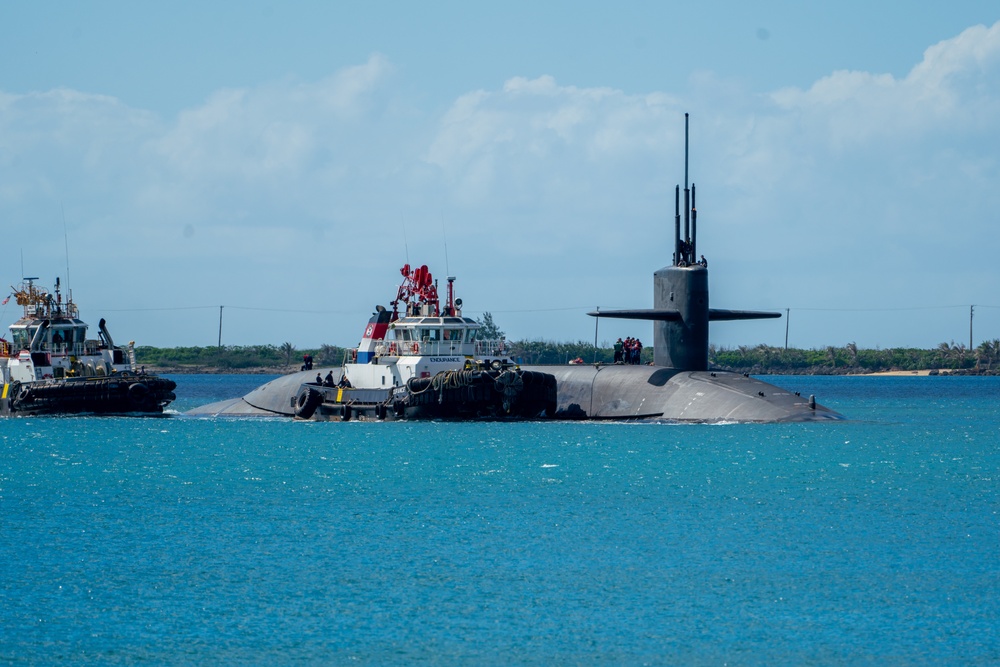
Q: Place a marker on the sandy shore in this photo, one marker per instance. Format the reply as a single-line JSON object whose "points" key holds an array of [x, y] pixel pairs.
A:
{"points": [[909, 373]]}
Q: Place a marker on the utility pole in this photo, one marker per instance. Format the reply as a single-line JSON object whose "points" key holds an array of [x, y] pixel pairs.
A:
{"points": [[971, 308], [220, 327]]}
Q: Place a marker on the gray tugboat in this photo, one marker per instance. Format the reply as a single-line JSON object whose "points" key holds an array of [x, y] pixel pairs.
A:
{"points": [[51, 367]]}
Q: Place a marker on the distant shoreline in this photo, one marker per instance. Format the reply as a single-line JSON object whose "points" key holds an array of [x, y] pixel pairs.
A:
{"points": [[212, 370]]}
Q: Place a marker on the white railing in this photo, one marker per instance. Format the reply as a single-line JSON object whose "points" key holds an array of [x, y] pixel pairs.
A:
{"points": [[61, 349], [491, 348], [441, 348], [434, 348], [86, 348]]}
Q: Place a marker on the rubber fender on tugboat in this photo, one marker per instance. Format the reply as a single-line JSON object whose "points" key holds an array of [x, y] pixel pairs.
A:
{"points": [[417, 385], [345, 416], [496, 364], [306, 402], [380, 411], [138, 392]]}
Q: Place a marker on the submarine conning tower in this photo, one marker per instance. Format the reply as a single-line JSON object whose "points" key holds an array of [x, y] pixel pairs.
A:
{"points": [[681, 311]]}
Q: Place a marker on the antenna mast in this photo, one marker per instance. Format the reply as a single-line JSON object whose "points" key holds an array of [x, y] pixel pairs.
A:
{"points": [[687, 191], [406, 245], [684, 245], [444, 235], [66, 242]]}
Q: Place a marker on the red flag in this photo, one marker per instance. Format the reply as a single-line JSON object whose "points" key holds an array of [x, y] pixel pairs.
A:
{"points": [[5, 301]]}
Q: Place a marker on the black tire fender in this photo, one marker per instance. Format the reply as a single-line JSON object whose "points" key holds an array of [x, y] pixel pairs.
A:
{"points": [[306, 402], [138, 392]]}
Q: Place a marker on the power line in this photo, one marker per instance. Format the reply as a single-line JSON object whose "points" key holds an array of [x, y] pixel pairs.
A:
{"points": [[525, 310], [269, 310], [533, 310], [888, 310]]}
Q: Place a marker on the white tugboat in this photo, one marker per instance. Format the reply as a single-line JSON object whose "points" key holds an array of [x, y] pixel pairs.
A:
{"points": [[422, 361], [50, 366]]}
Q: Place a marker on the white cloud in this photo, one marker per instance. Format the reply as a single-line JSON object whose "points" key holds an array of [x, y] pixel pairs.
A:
{"points": [[558, 168], [953, 85], [265, 145]]}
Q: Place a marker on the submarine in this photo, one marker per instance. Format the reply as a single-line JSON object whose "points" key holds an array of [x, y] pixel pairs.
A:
{"points": [[679, 386]]}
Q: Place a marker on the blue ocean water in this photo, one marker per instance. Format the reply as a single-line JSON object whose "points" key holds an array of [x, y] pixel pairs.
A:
{"points": [[197, 541]]}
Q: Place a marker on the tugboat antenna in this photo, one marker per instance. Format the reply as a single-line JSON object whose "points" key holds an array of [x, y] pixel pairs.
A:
{"points": [[444, 235], [66, 241], [406, 245]]}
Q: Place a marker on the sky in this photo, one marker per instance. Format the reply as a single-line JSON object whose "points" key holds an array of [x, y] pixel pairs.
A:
{"points": [[273, 165]]}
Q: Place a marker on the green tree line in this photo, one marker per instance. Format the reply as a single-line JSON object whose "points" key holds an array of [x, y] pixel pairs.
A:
{"points": [[761, 359], [852, 359], [237, 357]]}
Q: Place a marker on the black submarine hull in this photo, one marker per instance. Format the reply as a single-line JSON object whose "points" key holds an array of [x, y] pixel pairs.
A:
{"points": [[607, 392], [656, 393]]}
